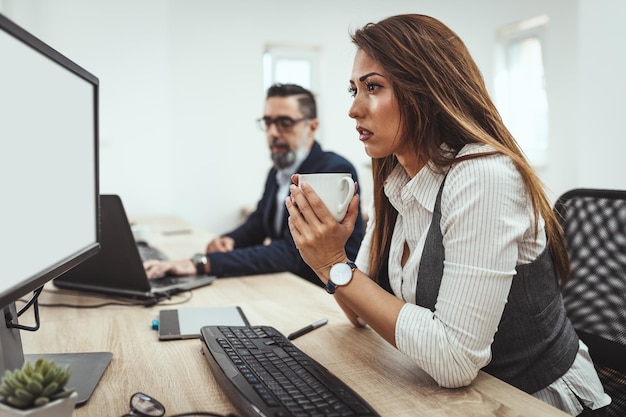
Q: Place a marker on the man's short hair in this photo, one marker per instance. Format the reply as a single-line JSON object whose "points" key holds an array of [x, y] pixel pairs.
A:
{"points": [[306, 100]]}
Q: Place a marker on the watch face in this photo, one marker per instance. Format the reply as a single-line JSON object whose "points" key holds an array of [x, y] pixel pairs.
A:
{"points": [[340, 274], [199, 258]]}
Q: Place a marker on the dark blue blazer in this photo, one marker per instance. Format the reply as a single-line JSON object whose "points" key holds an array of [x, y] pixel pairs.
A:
{"points": [[252, 257]]}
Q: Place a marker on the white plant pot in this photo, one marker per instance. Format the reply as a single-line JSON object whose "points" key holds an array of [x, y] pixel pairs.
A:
{"points": [[59, 408]]}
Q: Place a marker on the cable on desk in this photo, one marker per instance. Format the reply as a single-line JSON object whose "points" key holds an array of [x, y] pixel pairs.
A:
{"points": [[147, 303]]}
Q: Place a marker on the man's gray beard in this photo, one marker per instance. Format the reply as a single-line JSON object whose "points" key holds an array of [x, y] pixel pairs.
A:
{"points": [[283, 160]]}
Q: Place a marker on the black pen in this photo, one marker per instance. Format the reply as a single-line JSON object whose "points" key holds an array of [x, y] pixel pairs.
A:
{"points": [[307, 329]]}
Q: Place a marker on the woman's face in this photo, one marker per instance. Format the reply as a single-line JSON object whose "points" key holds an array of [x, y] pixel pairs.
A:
{"points": [[375, 108]]}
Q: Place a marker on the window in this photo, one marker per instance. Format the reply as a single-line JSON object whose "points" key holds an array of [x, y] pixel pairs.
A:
{"points": [[520, 90], [297, 65]]}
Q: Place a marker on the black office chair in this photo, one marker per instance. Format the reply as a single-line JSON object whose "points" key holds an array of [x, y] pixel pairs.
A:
{"points": [[594, 223]]}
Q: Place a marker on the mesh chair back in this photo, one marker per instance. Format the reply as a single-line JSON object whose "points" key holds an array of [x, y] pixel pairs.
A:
{"points": [[594, 224]]}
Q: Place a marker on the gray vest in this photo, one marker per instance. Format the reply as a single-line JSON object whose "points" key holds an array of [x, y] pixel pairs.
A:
{"points": [[535, 343]]}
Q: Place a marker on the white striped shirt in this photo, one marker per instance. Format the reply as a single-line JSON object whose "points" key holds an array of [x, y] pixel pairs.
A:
{"points": [[487, 223]]}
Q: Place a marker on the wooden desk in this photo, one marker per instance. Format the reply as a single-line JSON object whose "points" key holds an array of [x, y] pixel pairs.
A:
{"points": [[176, 373], [175, 237]]}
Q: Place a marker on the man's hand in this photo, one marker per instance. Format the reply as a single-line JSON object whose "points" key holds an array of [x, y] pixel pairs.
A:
{"points": [[157, 269], [221, 244]]}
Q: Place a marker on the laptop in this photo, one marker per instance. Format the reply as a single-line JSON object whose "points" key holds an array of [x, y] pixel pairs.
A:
{"points": [[117, 269]]}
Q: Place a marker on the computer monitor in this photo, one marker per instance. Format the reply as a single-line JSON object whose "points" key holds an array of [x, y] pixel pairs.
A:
{"points": [[49, 202]]}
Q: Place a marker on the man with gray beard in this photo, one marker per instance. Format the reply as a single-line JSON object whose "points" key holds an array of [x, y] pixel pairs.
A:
{"points": [[263, 243]]}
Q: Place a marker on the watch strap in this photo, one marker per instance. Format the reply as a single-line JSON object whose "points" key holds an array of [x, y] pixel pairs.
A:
{"points": [[330, 287]]}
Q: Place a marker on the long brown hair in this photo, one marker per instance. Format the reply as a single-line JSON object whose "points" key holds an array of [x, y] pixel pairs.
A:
{"points": [[443, 100]]}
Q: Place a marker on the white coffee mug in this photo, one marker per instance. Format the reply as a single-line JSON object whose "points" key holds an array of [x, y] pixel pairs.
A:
{"points": [[335, 190]]}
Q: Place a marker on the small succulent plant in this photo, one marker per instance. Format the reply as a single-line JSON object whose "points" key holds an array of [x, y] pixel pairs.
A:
{"points": [[34, 386]]}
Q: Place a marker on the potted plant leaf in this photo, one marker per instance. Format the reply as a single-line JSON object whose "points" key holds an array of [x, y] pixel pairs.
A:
{"points": [[37, 390]]}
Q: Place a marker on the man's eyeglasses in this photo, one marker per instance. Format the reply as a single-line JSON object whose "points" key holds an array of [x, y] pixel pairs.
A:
{"points": [[283, 123], [143, 405]]}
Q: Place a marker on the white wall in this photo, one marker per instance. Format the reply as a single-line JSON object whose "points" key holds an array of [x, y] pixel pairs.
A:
{"points": [[181, 86], [601, 135]]}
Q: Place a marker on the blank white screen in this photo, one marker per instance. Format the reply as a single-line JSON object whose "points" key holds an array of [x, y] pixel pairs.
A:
{"points": [[47, 164]]}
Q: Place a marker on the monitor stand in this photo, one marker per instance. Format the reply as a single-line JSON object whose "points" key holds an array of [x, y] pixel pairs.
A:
{"points": [[87, 369]]}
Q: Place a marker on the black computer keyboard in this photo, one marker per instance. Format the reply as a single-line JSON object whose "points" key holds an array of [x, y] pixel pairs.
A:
{"points": [[147, 252], [264, 374]]}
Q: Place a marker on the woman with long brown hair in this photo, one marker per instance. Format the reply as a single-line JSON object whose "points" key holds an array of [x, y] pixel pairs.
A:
{"points": [[462, 258]]}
